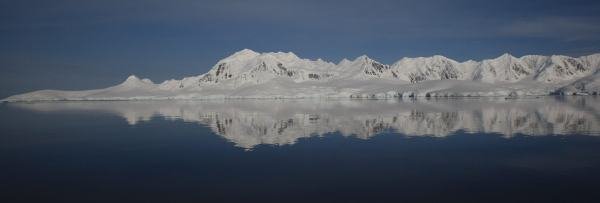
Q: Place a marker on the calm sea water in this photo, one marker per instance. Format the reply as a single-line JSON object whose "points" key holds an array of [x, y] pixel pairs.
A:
{"points": [[452, 150]]}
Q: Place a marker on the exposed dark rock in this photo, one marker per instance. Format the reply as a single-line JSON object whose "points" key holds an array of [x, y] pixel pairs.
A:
{"points": [[313, 76]]}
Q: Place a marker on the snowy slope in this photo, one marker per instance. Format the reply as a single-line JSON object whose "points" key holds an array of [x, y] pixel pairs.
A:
{"points": [[248, 74]]}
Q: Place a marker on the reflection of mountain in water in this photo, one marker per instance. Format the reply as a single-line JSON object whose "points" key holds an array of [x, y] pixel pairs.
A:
{"points": [[248, 123]]}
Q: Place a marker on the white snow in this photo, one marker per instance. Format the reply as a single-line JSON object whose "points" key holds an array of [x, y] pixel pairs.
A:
{"points": [[248, 74]]}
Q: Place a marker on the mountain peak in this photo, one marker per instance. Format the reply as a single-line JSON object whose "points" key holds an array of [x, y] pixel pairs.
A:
{"points": [[362, 58], [246, 51], [132, 78], [439, 57], [505, 55], [282, 55], [244, 54]]}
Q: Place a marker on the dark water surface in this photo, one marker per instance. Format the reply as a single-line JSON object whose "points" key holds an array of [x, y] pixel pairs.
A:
{"points": [[455, 150]]}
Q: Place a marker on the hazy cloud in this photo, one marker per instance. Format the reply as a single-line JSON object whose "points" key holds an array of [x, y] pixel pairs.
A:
{"points": [[563, 28]]}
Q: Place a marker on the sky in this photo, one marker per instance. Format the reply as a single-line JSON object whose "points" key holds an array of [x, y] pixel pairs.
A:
{"points": [[74, 44]]}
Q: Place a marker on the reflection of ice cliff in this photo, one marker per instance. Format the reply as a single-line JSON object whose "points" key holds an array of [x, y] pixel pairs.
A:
{"points": [[248, 123]]}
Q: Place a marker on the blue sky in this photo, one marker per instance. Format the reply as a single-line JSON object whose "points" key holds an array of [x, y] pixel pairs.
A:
{"points": [[73, 44]]}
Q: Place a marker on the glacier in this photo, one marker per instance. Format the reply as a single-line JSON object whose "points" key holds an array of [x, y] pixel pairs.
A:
{"points": [[249, 74]]}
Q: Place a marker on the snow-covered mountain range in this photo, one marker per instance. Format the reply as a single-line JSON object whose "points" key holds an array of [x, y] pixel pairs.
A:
{"points": [[248, 74]]}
